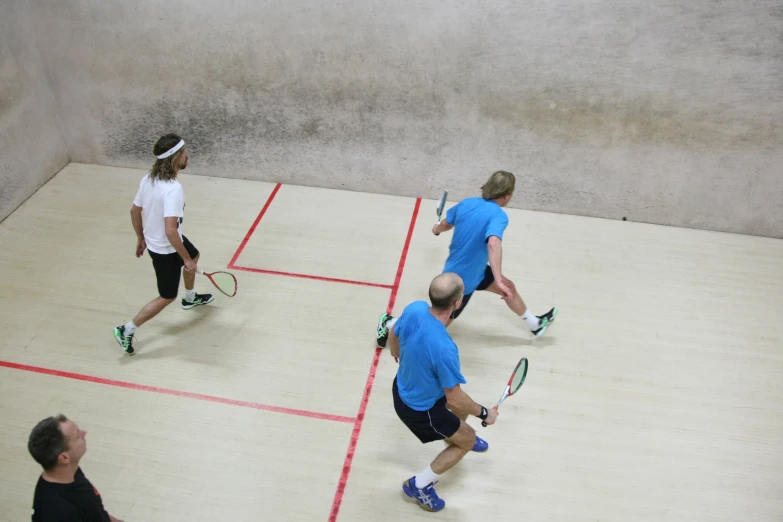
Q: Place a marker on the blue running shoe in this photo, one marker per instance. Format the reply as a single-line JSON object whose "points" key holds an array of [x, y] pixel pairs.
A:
{"points": [[426, 497], [480, 445]]}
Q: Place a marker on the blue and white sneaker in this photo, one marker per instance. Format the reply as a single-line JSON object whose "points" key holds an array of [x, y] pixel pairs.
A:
{"points": [[426, 497], [480, 445]]}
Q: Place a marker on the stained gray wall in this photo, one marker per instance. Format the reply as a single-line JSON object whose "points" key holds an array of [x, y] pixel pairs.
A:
{"points": [[32, 148], [664, 112]]}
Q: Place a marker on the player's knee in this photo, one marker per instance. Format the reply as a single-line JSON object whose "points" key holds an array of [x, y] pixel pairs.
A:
{"points": [[467, 437], [510, 284]]}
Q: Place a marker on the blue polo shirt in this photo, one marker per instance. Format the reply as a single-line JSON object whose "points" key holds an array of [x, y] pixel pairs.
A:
{"points": [[429, 359], [475, 220]]}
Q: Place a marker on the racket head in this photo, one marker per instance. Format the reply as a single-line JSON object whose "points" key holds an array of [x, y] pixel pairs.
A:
{"points": [[442, 203], [224, 281], [518, 376], [514, 383]]}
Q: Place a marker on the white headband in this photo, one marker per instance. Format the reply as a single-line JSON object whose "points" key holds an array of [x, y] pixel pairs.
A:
{"points": [[173, 150]]}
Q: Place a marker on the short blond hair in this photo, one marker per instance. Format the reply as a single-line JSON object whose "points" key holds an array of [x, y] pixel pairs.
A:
{"points": [[498, 185]]}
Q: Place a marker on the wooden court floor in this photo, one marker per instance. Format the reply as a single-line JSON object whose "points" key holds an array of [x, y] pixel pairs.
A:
{"points": [[657, 395]]}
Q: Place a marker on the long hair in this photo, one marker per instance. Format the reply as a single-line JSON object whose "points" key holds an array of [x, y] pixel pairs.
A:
{"points": [[166, 169]]}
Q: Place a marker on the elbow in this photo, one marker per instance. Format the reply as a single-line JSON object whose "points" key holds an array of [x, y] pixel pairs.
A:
{"points": [[493, 244], [452, 395]]}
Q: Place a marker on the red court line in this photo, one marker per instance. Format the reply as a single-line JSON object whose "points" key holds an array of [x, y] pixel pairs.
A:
{"points": [[308, 276], [357, 425], [253, 226], [232, 264], [176, 393]]}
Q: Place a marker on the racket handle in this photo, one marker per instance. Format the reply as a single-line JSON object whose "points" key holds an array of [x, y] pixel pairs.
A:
{"points": [[484, 423]]}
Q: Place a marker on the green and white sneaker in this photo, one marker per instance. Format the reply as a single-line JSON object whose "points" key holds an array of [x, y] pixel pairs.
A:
{"points": [[125, 341], [198, 299], [383, 331], [546, 321]]}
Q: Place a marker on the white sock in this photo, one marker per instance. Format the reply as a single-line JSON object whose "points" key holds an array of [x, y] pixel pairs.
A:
{"points": [[426, 477], [190, 295], [391, 323], [531, 319], [130, 328]]}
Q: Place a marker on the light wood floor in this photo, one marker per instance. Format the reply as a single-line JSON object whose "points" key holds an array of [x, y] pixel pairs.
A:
{"points": [[656, 396]]}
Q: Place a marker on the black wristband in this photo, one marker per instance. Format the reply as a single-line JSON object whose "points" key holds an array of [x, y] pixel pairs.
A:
{"points": [[484, 413]]}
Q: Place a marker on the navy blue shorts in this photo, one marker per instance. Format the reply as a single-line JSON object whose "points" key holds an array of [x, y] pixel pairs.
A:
{"points": [[489, 278], [437, 423]]}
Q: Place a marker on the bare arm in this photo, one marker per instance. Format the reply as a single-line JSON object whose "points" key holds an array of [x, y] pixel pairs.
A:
{"points": [[114, 519], [461, 401], [443, 226], [394, 344], [136, 221], [175, 240], [495, 247]]}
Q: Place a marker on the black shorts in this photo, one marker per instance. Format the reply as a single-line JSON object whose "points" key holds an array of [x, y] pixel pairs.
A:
{"points": [[437, 423], [168, 269], [489, 278]]}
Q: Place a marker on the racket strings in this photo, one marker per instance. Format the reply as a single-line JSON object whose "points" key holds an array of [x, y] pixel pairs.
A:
{"points": [[225, 282]]}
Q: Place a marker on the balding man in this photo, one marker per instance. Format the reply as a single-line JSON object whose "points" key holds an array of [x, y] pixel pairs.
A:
{"points": [[426, 390]]}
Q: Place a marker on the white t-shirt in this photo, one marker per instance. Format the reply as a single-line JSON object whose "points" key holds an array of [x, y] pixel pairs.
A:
{"points": [[160, 200]]}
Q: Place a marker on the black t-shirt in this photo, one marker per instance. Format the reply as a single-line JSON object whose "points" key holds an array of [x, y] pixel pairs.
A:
{"points": [[78, 501]]}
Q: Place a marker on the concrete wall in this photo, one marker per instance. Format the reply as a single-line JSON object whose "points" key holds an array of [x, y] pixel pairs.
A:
{"points": [[664, 112], [32, 149]]}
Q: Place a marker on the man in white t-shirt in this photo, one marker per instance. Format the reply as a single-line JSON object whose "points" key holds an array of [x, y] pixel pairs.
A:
{"points": [[157, 214]]}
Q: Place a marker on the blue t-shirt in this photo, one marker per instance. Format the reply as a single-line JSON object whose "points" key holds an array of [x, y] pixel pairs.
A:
{"points": [[474, 220], [429, 359]]}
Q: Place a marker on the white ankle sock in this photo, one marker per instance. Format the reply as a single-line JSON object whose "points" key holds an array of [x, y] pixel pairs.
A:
{"points": [[531, 319], [426, 477], [130, 328], [190, 295], [391, 323]]}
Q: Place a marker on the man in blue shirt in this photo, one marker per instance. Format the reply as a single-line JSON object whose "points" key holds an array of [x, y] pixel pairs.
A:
{"points": [[476, 252], [426, 390]]}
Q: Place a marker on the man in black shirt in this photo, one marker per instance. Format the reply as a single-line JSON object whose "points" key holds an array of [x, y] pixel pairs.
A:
{"points": [[63, 493]]}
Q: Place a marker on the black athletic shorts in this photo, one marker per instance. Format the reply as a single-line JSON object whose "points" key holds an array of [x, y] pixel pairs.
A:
{"points": [[437, 423], [168, 269], [489, 278]]}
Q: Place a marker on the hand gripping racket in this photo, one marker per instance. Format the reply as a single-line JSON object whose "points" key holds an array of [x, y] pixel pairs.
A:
{"points": [[442, 205], [514, 383], [223, 281]]}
